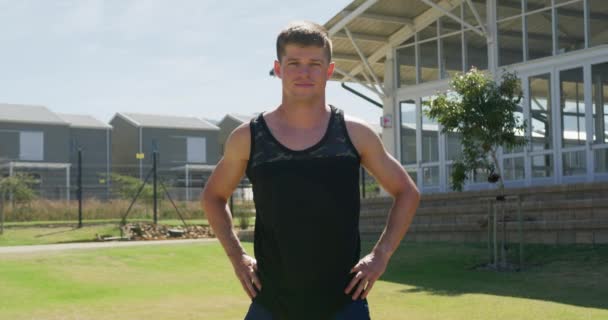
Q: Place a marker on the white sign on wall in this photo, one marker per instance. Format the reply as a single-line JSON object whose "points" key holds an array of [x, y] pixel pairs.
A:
{"points": [[386, 121]]}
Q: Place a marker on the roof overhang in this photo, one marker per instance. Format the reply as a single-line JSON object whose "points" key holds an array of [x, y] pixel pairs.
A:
{"points": [[195, 167], [366, 31], [35, 165]]}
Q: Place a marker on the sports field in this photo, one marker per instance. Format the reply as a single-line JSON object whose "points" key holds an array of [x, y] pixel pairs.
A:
{"points": [[195, 281]]}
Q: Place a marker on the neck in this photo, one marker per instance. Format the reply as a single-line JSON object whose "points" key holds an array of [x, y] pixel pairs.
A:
{"points": [[303, 114]]}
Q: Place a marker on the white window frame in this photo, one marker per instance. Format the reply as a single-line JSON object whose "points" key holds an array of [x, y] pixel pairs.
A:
{"points": [[192, 146], [31, 145]]}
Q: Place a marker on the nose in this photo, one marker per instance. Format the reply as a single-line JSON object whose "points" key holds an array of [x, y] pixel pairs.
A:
{"points": [[304, 69]]}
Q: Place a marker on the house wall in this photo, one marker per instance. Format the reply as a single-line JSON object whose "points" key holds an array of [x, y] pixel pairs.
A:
{"points": [[56, 142], [94, 144], [171, 146], [226, 127], [125, 144]]}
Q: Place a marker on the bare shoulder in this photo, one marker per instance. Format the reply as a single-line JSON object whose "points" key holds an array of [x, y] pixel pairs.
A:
{"points": [[238, 143], [363, 136]]}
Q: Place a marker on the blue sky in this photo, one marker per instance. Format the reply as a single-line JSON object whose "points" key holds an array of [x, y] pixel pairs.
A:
{"points": [[202, 58]]}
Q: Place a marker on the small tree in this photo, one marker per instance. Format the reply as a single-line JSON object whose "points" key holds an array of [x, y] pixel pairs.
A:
{"points": [[128, 186], [483, 113], [17, 190]]}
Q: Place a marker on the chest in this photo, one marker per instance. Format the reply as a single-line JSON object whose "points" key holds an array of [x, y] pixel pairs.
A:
{"points": [[296, 138]]}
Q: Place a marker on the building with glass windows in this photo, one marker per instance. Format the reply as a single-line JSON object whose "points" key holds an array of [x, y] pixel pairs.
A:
{"points": [[406, 51]]}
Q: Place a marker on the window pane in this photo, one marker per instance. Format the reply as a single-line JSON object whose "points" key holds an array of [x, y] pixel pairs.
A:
{"points": [[574, 163], [413, 174], [451, 56], [572, 107], [454, 147], [542, 166], [540, 111], [599, 75], [537, 4], [519, 116], [449, 25], [469, 17], [513, 169], [601, 160], [197, 150], [429, 32], [408, 132], [406, 60], [571, 26], [477, 51], [507, 9], [431, 176], [429, 70], [510, 42], [598, 15], [31, 145], [540, 35], [430, 137], [480, 176]]}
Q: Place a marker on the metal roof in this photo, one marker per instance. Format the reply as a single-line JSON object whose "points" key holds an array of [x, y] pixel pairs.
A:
{"points": [[83, 121], [195, 167], [368, 29], [32, 114], [35, 165], [241, 118], [166, 121]]}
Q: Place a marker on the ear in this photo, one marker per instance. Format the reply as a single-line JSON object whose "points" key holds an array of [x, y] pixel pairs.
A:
{"points": [[330, 69], [277, 68]]}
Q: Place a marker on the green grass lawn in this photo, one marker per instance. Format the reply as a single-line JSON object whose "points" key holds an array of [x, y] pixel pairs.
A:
{"points": [[97, 222], [17, 236], [196, 281]]}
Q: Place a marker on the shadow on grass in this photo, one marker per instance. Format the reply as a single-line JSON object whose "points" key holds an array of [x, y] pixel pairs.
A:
{"points": [[55, 233], [573, 274]]}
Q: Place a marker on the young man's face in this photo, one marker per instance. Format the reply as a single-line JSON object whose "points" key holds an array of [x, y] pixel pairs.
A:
{"points": [[304, 71]]}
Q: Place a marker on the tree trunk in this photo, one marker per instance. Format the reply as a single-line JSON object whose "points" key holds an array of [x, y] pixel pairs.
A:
{"points": [[1, 214], [501, 198]]}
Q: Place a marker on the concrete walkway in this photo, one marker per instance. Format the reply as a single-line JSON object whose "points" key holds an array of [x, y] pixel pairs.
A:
{"points": [[95, 245]]}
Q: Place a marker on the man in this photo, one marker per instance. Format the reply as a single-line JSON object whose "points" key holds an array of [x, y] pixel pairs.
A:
{"points": [[303, 161]]}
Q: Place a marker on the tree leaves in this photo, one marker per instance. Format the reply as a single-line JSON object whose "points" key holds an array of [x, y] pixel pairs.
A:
{"points": [[483, 112]]}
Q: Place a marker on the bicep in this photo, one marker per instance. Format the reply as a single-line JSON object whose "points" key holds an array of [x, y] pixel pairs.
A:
{"points": [[383, 166], [231, 167]]}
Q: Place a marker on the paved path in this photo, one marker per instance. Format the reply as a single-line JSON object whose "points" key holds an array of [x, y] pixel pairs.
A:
{"points": [[95, 245]]}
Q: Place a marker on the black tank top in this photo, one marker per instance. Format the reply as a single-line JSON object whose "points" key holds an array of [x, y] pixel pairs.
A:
{"points": [[307, 220]]}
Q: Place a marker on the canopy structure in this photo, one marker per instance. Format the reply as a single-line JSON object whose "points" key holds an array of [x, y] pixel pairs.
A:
{"points": [[365, 33], [14, 166]]}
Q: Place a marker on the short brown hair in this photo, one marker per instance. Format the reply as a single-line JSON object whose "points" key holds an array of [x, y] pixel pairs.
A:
{"points": [[304, 33]]}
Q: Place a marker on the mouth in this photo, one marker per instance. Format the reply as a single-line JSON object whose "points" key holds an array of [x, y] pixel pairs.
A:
{"points": [[304, 85]]}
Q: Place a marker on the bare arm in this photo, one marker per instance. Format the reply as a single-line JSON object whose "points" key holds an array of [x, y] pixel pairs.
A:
{"points": [[395, 180], [214, 200]]}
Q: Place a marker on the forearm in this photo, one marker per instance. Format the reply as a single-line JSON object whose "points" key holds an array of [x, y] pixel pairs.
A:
{"points": [[398, 222], [219, 217]]}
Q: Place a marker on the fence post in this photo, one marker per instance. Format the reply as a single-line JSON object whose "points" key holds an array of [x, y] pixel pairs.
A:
{"points": [[1, 213], [363, 182], [154, 177], [79, 188]]}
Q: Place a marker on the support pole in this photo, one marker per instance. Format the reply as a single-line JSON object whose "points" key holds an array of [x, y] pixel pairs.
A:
{"points": [[362, 182], [79, 188], [187, 182], [490, 255], [154, 181], [521, 233], [494, 227]]}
